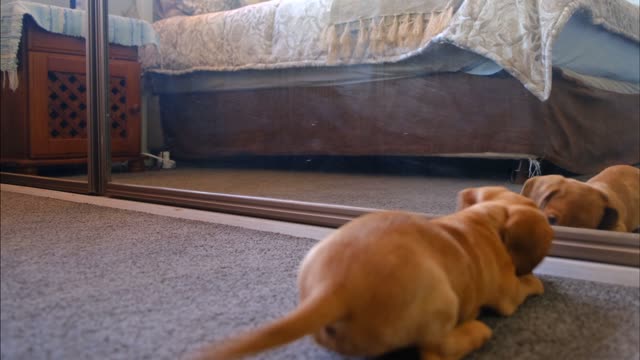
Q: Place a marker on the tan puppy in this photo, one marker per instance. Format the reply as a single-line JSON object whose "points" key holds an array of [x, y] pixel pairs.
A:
{"points": [[468, 197], [608, 201], [393, 279]]}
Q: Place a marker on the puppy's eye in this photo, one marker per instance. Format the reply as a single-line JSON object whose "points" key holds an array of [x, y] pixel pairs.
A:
{"points": [[552, 219]]}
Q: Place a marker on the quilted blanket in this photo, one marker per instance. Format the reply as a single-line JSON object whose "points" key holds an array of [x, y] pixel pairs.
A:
{"points": [[517, 34], [378, 24]]}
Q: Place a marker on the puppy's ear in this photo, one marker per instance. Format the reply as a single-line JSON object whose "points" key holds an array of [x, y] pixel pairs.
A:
{"points": [[609, 219], [527, 236], [529, 186], [610, 215], [541, 189], [467, 197]]}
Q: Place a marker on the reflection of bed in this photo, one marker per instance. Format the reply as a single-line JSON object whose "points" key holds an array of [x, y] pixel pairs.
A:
{"points": [[267, 79]]}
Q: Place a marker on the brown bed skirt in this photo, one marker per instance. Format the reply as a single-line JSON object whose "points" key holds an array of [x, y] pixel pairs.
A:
{"points": [[579, 129]]}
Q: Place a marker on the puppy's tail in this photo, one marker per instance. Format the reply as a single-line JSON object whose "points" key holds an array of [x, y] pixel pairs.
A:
{"points": [[309, 317]]}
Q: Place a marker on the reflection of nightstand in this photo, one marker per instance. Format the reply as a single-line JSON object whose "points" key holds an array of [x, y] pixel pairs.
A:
{"points": [[44, 122]]}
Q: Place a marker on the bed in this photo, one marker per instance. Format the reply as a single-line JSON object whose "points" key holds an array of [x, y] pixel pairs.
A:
{"points": [[535, 79]]}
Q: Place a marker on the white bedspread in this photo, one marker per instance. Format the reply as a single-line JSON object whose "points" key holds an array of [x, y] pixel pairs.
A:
{"points": [[517, 35]]}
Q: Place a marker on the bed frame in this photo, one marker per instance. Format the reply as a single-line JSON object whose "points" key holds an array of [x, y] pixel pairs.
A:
{"points": [[579, 129]]}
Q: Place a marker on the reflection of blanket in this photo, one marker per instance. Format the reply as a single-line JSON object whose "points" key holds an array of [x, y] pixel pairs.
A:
{"points": [[122, 31], [373, 23], [517, 35]]}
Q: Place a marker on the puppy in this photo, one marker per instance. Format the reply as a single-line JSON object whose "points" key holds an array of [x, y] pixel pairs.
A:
{"points": [[608, 201], [468, 197], [389, 280]]}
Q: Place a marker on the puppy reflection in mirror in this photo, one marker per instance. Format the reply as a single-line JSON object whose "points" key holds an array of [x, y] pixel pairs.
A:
{"points": [[608, 201], [389, 280]]}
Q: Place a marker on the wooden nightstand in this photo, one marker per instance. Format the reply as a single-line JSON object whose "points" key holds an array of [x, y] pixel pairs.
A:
{"points": [[44, 122]]}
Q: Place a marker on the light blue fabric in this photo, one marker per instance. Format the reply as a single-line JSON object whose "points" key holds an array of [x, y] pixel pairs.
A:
{"points": [[588, 49], [122, 31]]}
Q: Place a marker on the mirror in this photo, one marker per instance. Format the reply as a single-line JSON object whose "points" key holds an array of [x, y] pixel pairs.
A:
{"points": [[302, 100]]}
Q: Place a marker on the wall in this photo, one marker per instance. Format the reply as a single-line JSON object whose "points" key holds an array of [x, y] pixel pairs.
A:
{"points": [[142, 9], [64, 3]]}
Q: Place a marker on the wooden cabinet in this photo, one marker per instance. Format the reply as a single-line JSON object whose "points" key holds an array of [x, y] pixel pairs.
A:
{"points": [[44, 122]]}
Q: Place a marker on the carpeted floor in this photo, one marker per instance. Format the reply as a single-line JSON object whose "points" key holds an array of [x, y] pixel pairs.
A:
{"points": [[419, 184], [427, 194], [85, 282]]}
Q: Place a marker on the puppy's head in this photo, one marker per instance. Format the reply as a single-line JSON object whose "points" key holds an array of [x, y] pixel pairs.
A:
{"points": [[569, 202], [524, 229], [471, 196], [527, 236]]}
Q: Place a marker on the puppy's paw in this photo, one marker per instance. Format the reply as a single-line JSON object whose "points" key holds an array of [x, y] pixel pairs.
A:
{"points": [[478, 334], [464, 339], [532, 284]]}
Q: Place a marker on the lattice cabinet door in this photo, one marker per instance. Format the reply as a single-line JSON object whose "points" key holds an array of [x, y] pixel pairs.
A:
{"points": [[58, 106]]}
